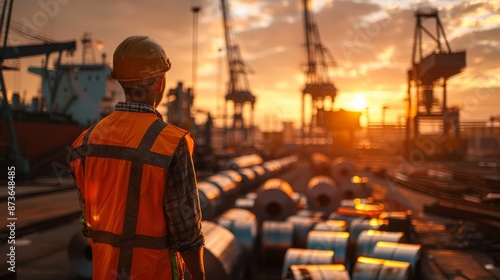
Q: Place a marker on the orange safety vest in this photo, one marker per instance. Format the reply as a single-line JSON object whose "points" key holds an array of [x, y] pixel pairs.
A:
{"points": [[120, 166]]}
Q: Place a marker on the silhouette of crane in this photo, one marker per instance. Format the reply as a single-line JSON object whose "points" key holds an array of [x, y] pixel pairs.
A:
{"points": [[318, 83], [238, 91]]}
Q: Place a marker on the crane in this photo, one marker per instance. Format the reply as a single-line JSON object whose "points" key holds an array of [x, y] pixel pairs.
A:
{"points": [[318, 83], [428, 73], [238, 86]]}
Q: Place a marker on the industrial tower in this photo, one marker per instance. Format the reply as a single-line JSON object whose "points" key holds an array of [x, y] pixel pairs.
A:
{"points": [[238, 89], [432, 128], [318, 83]]}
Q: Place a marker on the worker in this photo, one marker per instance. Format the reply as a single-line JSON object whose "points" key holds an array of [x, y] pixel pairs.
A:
{"points": [[136, 179]]}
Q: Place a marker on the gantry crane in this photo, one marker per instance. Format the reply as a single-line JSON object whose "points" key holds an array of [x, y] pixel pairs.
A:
{"points": [[427, 74], [238, 88], [318, 83]]}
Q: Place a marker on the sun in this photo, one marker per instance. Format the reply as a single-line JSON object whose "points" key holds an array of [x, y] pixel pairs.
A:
{"points": [[359, 103]]}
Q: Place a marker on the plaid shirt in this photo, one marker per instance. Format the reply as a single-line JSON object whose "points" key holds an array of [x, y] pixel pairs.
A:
{"points": [[181, 203]]}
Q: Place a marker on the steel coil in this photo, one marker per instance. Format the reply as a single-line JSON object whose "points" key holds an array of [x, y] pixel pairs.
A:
{"points": [[80, 255], [359, 225], [244, 203], [403, 252], [331, 225], [367, 268], [234, 176], [301, 228], [276, 238], [223, 255], [243, 224], [312, 214], [342, 170], [368, 238], [243, 161], [228, 187], [210, 199], [323, 194], [274, 201], [318, 272], [324, 240], [248, 176], [296, 256]]}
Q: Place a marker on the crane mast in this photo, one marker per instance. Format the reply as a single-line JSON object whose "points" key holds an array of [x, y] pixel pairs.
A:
{"points": [[318, 83], [238, 87]]}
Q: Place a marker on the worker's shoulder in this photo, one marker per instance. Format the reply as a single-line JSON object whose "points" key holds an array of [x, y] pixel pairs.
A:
{"points": [[171, 129]]}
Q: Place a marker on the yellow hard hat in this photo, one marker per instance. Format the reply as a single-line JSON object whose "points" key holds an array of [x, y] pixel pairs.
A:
{"points": [[137, 60]]}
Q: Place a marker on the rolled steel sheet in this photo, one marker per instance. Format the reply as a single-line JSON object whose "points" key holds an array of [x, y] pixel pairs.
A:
{"points": [[328, 240], [368, 238], [367, 268], [402, 252], [272, 166], [318, 272], [301, 228], [363, 184], [210, 199], [359, 225], [227, 186], [243, 224], [276, 238], [312, 214], [234, 176], [296, 256], [331, 225], [244, 203], [244, 161], [342, 170], [274, 201], [260, 172], [80, 255], [248, 176], [323, 194], [223, 254]]}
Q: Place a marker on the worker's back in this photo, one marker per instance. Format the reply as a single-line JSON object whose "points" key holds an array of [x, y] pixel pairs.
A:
{"points": [[120, 168]]}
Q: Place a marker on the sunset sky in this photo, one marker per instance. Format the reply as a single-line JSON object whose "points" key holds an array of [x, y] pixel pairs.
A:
{"points": [[371, 41]]}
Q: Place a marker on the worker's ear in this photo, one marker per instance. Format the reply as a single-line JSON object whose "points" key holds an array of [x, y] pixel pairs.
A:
{"points": [[160, 89]]}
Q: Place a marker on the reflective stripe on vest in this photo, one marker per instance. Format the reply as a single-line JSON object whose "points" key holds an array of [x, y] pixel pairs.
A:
{"points": [[138, 157]]}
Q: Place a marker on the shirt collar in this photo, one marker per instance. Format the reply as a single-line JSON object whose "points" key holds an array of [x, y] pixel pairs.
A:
{"points": [[137, 107]]}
